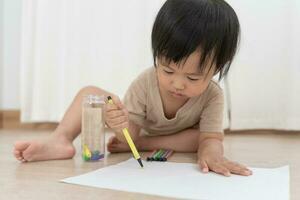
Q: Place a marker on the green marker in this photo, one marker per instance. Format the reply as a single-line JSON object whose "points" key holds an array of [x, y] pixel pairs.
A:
{"points": [[159, 154], [154, 155]]}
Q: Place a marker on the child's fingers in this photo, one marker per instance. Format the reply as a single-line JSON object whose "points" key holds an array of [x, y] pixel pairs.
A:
{"points": [[220, 169], [114, 114], [203, 166], [238, 169], [110, 107], [125, 111], [121, 126], [117, 101], [114, 122]]}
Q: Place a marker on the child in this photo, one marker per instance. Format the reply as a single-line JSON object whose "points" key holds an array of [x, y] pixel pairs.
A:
{"points": [[173, 105]]}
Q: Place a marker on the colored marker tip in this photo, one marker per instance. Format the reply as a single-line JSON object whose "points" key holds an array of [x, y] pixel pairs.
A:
{"points": [[140, 162]]}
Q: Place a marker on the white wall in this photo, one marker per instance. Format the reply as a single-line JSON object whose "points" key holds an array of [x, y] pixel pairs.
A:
{"points": [[1, 50], [10, 24]]}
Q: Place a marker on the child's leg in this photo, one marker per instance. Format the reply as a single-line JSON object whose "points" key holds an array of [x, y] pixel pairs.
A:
{"points": [[58, 145], [185, 141]]}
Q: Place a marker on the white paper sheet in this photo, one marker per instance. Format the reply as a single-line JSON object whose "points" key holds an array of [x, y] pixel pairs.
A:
{"points": [[184, 180]]}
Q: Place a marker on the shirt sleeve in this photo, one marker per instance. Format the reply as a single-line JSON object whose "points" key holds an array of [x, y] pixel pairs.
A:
{"points": [[211, 119], [135, 101]]}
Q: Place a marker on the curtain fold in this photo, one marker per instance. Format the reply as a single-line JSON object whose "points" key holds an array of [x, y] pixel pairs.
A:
{"points": [[67, 45]]}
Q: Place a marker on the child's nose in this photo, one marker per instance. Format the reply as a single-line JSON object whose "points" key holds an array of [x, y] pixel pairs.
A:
{"points": [[178, 85]]}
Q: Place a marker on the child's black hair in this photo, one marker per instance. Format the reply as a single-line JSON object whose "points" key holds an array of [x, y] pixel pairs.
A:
{"points": [[183, 26]]}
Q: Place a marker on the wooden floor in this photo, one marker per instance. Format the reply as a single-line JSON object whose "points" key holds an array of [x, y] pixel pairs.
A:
{"points": [[40, 180]]}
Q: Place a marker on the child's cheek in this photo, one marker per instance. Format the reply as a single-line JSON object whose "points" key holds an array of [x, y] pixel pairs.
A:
{"points": [[197, 90]]}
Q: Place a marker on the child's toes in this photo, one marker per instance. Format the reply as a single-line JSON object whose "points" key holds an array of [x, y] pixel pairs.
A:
{"points": [[18, 155], [30, 151]]}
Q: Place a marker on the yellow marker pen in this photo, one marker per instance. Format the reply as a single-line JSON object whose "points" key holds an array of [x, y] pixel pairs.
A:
{"points": [[129, 140]]}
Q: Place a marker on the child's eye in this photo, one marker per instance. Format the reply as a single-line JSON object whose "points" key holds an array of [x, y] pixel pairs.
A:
{"points": [[193, 79], [168, 72]]}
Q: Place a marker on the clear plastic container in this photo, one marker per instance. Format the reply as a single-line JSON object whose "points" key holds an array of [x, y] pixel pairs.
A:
{"points": [[92, 128]]}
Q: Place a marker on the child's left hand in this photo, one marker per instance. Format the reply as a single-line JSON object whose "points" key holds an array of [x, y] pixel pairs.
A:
{"points": [[211, 158], [221, 165]]}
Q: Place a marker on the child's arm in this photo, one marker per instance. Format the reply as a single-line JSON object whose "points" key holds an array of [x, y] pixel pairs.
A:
{"points": [[210, 156]]}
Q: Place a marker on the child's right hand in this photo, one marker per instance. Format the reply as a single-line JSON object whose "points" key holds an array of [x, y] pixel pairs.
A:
{"points": [[116, 115]]}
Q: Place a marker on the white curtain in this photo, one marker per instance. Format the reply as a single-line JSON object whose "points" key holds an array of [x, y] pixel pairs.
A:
{"points": [[68, 44], [264, 82]]}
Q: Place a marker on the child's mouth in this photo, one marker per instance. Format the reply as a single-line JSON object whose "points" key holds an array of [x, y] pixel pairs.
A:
{"points": [[175, 94]]}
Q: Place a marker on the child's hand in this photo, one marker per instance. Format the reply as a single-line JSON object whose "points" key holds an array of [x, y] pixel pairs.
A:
{"points": [[116, 115], [221, 165], [210, 157]]}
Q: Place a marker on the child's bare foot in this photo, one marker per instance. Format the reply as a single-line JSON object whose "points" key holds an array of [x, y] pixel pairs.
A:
{"points": [[55, 146], [114, 145]]}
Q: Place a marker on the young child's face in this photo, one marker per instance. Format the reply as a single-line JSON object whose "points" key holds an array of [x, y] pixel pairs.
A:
{"points": [[183, 82]]}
